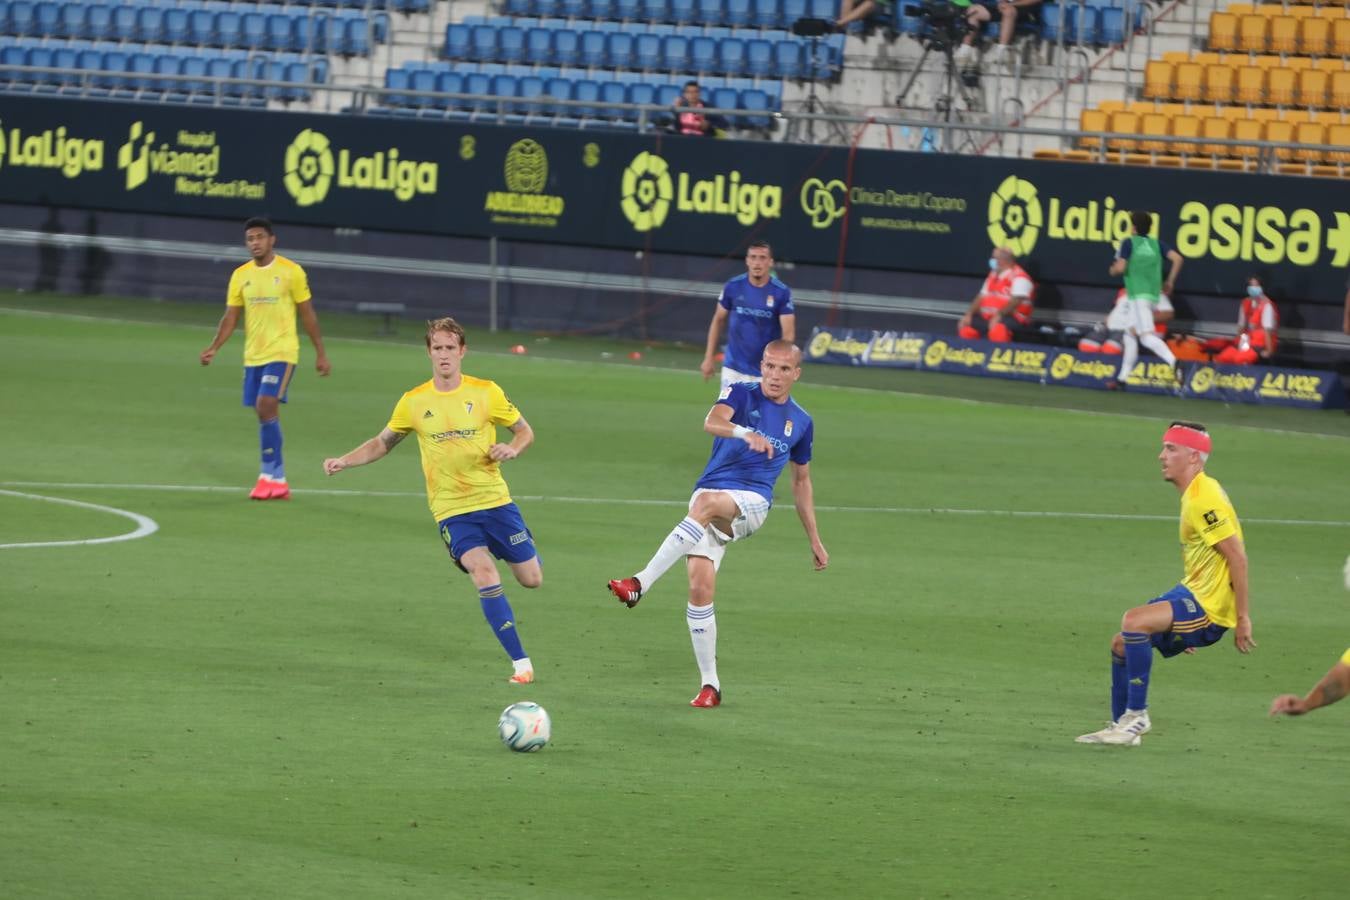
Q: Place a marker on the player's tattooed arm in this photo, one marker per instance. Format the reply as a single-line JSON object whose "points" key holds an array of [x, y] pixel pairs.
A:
{"points": [[391, 439]]}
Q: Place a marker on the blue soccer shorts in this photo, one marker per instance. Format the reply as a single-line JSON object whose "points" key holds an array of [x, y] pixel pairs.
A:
{"points": [[500, 529], [267, 380], [1191, 626]]}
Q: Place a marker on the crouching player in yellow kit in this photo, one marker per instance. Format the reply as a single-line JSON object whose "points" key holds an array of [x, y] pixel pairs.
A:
{"points": [[456, 418], [1211, 598]]}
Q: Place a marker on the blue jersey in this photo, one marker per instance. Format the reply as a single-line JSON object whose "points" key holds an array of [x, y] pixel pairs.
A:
{"points": [[753, 320], [733, 466]]}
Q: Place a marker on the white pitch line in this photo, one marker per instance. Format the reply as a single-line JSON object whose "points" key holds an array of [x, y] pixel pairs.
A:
{"points": [[628, 501], [145, 525]]}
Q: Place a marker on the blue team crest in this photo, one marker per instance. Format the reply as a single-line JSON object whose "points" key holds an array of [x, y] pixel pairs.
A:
{"points": [[787, 428], [468, 406]]}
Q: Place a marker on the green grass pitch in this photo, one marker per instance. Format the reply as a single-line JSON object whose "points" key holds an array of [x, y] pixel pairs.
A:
{"points": [[299, 699]]}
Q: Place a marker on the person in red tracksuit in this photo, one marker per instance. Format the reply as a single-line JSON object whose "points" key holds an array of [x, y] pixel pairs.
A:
{"points": [[1003, 303], [1258, 322]]}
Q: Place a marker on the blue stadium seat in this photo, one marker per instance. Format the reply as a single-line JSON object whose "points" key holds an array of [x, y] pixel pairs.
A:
{"points": [[732, 53], [703, 54], [201, 27], [520, 8], [98, 23], [358, 35], [667, 94], [683, 12], [615, 92], [767, 14], [626, 9], [788, 58], [142, 66], [483, 43], [530, 88], [506, 86], [229, 28], [1087, 27], [47, 14], [457, 41], [23, 20], [558, 89], [310, 31], [589, 91], [149, 24], [792, 10], [710, 12], [647, 51], [539, 46], [655, 10], [176, 25], [641, 92], [281, 32], [1050, 22], [566, 47], [395, 81], [42, 58], [675, 53], [723, 98], [450, 82], [253, 30], [594, 48], [65, 58], [620, 49], [823, 9], [71, 19], [737, 12], [1112, 25], [756, 101], [758, 57], [511, 43]]}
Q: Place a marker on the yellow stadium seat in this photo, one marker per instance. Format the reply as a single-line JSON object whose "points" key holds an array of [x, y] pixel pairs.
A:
{"points": [[1241, 9], [1280, 131], [1340, 37], [1173, 109], [1331, 11], [1154, 123], [1189, 78], [1250, 85], [1280, 85], [1045, 154], [1216, 127], [1110, 106], [1219, 83], [1248, 130], [1339, 136], [1338, 89], [1265, 115], [1139, 106], [1184, 126], [1330, 64], [1253, 32], [1314, 35], [1223, 31], [1312, 88], [1283, 37], [1091, 120], [1207, 59], [1123, 122], [1158, 78], [1300, 12], [1297, 63], [1310, 133]]}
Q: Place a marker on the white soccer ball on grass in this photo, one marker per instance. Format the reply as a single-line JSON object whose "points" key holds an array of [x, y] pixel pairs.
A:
{"points": [[524, 727]]}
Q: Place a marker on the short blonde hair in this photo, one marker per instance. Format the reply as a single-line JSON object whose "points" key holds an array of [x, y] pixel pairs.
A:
{"points": [[445, 323]]}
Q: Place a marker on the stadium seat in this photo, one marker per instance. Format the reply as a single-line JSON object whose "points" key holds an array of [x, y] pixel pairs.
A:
{"points": [[628, 10], [1280, 86], [758, 57], [1314, 36], [1310, 133], [450, 82], [1253, 33], [1123, 122], [1189, 81], [788, 59], [149, 23], [723, 98], [1250, 85], [1283, 36], [1339, 136], [1340, 37], [1158, 78], [1112, 25], [1184, 129], [1219, 83], [732, 52], [703, 54], [397, 80], [767, 14], [620, 47], [558, 89], [1216, 127], [70, 20], [458, 41], [1091, 120], [228, 26], [594, 48], [480, 85], [47, 18], [737, 12], [1248, 130], [642, 93], [757, 102], [647, 51], [98, 23], [1312, 88], [675, 53], [23, 20], [1223, 31], [483, 43], [1338, 89], [1281, 131], [655, 10], [615, 92], [252, 30]]}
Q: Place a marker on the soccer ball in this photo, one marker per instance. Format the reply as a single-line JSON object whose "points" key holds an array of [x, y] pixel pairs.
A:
{"points": [[524, 727]]}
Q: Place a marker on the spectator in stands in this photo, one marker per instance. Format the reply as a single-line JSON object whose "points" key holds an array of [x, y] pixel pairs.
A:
{"points": [[689, 122], [1107, 336], [857, 10], [982, 11], [1003, 303], [1258, 321]]}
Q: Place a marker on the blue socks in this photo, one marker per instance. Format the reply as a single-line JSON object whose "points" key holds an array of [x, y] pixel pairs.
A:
{"points": [[498, 613], [1138, 664], [1119, 683], [269, 437]]}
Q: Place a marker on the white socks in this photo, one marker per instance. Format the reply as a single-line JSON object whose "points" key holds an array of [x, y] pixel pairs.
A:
{"points": [[522, 665], [703, 634], [1131, 352], [675, 547]]}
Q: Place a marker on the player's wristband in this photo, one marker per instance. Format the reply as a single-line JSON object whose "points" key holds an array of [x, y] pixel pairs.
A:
{"points": [[739, 431]]}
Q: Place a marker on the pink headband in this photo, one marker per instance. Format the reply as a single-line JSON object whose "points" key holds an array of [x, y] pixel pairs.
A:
{"points": [[1187, 437]]}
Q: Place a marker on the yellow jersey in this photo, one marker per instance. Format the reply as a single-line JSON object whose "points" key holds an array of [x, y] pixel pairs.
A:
{"points": [[1207, 517], [269, 295], [455, 429], [1346, 658]]}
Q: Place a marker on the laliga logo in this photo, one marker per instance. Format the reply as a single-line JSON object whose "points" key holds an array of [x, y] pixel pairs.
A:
{"points": [[1015, 215], [647, 191], [820, 345], [818, 201], [1202, 380], [309, 168], [933, 355], [1062, 367]]}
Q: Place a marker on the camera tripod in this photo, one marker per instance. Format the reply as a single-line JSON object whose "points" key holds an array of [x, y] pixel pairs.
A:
{"points": [[954, 88], [814, 104]]}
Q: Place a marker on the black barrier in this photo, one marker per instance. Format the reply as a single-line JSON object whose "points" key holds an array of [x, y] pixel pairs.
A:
{"points": [[1265, 385], [886, 210]]}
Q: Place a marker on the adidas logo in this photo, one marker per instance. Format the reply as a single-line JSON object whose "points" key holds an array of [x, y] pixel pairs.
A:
{"points": [[428, 415], [507, 624]]}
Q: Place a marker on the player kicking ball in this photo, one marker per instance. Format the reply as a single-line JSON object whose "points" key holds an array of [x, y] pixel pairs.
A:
{"points": [[1211, 598], [757, 429]]}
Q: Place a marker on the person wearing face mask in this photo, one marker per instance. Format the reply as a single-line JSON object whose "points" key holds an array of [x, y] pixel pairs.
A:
{"points": [[1004, 302], [1258, 322]]}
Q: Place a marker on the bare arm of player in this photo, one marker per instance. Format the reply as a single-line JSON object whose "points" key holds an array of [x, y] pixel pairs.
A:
{"points": [[709, 364], [522, 437], [1233, 551], [804, 496], [789, 325], [718, 423], [227, 326], [1175, 259], [1333, 686], [376, 448], [310, 320]]}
